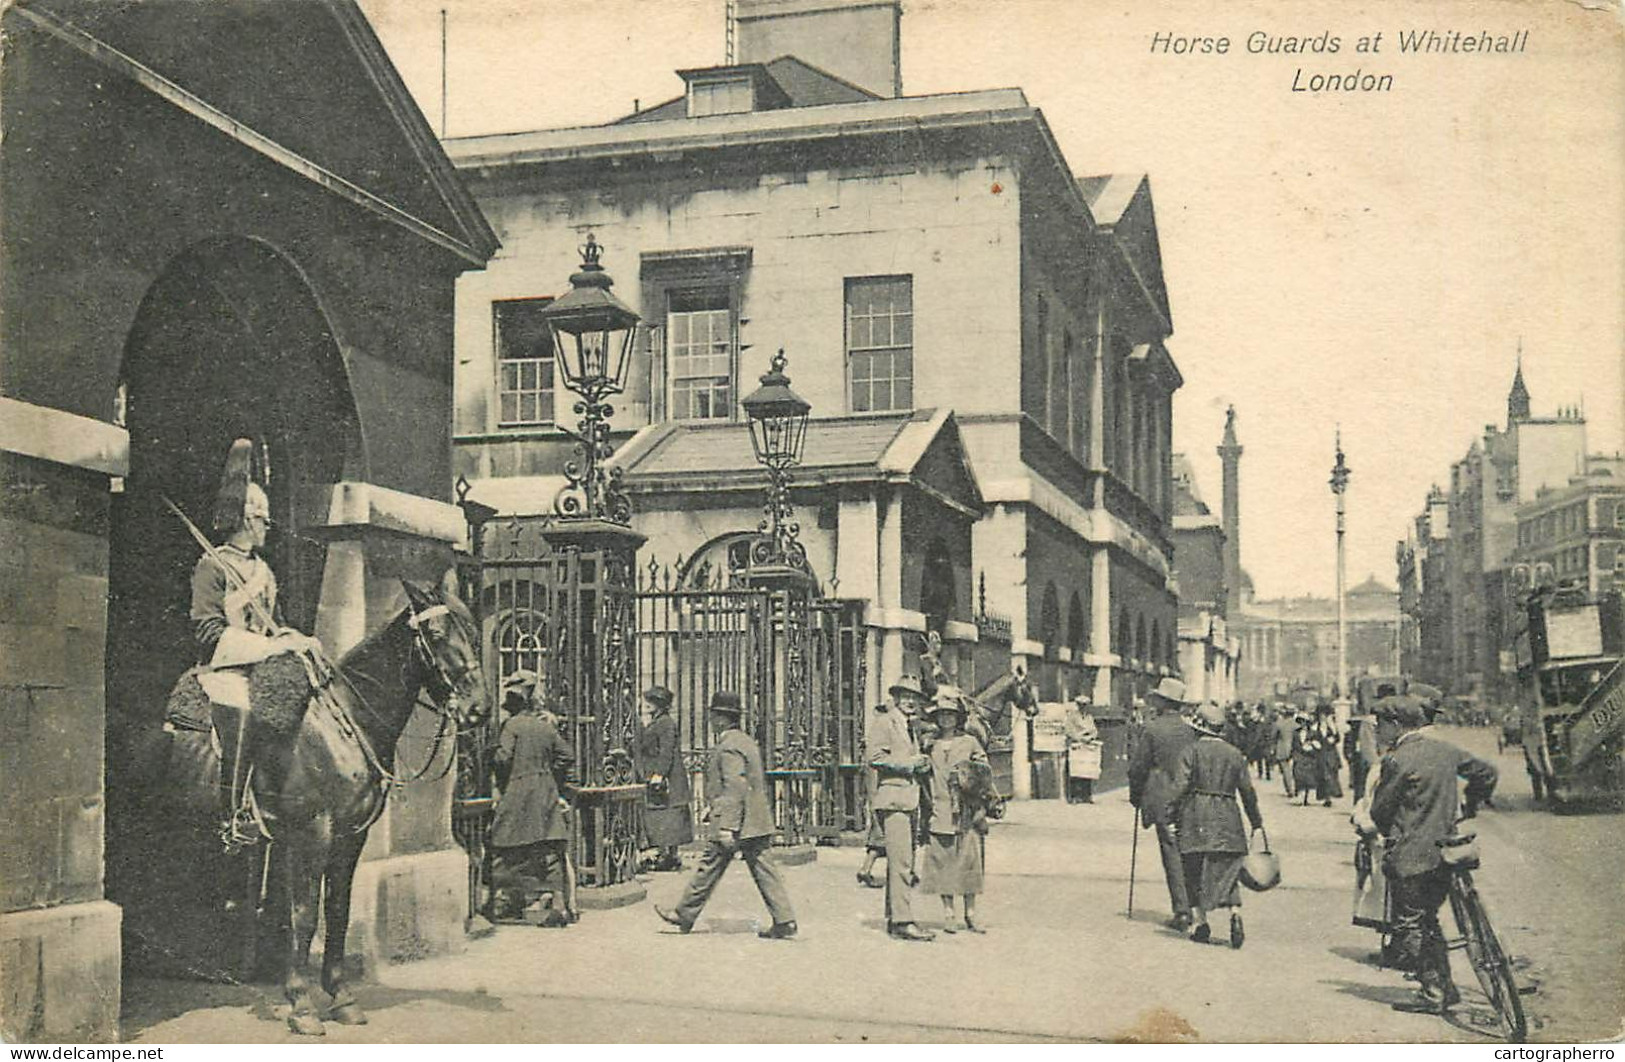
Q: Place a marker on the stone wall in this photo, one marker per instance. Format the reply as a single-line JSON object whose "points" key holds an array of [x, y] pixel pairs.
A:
{"points": [[59, 940]]}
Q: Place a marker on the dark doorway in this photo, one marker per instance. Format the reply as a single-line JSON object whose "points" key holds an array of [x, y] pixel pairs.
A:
{"points": [[229, 342]]}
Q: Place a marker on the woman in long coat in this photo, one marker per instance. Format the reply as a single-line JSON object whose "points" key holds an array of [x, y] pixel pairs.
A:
{"points": [[666, 819], [1329, 786], [1210, 775], [531, 828], [1306, 758], [957, 819]]}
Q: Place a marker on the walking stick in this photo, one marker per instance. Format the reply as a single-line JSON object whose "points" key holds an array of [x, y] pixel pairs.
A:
{"points": [[1133, 858]]}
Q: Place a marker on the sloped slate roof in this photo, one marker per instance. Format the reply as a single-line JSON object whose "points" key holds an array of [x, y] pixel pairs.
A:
{"points": [[922, 445], [1122, 207], [310, 76], [803, 85], [1109, 194], [726, 447]]}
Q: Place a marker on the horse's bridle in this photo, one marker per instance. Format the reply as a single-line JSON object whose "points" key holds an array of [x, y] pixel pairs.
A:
{"points": [[421, 646]]}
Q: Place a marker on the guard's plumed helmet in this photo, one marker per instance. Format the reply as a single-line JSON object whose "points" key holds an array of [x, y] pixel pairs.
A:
{"points": [[237, 481]]}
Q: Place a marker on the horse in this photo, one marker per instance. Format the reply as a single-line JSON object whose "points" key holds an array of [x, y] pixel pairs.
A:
{"points": [[338, 765]]}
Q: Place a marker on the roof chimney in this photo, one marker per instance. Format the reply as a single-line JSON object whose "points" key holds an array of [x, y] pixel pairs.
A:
{"points": [[856, 40]]}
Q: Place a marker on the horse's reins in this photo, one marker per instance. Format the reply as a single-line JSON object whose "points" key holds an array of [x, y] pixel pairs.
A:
{"points": [[422, 648]]}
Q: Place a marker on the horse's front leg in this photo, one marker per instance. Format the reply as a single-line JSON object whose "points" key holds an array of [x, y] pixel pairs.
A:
{"points": [[302, 862], [341, 865]]}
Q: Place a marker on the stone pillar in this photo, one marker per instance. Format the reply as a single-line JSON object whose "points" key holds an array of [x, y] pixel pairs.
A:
{"points": [[60, 950]]}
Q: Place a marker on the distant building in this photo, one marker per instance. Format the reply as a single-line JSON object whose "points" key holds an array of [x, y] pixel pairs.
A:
{"points": [[1292, 642], [980, 332], [1423, 561], [1208, 654], [1505, 468], [1574, 535]]}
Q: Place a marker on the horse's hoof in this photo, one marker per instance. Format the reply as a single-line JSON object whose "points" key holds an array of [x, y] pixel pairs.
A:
{"points": [[306, 1024], [348, 1014]]}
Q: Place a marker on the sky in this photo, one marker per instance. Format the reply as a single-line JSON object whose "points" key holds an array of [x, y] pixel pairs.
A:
{"points": [[1368, 262]]}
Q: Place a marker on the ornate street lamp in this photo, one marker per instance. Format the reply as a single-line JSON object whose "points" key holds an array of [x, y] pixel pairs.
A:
{"points": [[592, 667], [778, 435], [592, 334]]}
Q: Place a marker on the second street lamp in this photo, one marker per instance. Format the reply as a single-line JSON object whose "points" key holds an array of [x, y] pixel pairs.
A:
{"points": [[778, 435]]}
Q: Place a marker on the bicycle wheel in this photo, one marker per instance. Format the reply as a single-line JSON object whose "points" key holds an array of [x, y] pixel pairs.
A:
{"points": [[1490, 963]]}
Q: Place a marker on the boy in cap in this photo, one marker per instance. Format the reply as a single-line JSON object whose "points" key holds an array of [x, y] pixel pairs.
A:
{"points": [[741, 822]]}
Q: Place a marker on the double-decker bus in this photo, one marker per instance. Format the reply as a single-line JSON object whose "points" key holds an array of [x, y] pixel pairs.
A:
{"points": [[1569, 652]]}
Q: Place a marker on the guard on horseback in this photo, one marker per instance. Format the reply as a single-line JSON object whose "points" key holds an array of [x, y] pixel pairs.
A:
{"points": [[255, 673]]}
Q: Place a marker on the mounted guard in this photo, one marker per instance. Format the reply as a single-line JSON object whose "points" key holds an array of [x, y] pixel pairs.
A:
{"points": [[254, 676]]}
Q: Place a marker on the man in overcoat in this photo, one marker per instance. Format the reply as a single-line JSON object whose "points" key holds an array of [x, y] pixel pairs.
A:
{"points": [[531, 828], [741, 822], [897, 763], [1415, 805], [1284, 731], [666, 822], [1150, 774]]}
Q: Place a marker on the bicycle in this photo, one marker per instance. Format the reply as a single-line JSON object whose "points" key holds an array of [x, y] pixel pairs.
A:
{"points": [[1477, 937]]}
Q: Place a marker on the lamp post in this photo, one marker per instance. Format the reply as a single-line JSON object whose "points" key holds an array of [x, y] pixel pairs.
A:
{"points": [[1340, 485], [592, 333], [778, 435], [793, 739], [591, 664]]}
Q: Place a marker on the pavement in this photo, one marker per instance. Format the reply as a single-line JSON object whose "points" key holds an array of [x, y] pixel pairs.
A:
{"points": [[1061, 959]]}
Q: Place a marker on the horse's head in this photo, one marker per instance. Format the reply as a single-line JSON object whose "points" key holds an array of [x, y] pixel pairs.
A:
{"points": [[446, 645]]}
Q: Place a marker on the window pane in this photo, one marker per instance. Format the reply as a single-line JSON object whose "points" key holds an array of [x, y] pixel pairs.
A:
{"points": [[860, 396], [510, 408]]}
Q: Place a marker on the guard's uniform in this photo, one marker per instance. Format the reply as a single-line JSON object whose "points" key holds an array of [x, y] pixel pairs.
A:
{"points": [[234, 615]]}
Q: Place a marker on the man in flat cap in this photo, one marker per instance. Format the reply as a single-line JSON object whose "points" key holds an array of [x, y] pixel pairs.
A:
{"points": [[1415, 806], [741, 822], [1150, 785]]}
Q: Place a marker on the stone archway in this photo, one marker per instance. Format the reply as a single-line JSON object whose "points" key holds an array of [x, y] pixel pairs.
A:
{"points": [[229, 341]]}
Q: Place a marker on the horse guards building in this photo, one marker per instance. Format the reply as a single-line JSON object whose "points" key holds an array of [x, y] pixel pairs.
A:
{"points": [[987, 488]]}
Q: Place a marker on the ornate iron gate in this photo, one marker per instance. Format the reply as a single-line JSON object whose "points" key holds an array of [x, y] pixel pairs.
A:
{"points": [[557, 600], [797, 662]]}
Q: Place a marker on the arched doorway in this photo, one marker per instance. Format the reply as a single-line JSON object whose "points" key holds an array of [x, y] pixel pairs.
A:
{"points": [[228, 342]]}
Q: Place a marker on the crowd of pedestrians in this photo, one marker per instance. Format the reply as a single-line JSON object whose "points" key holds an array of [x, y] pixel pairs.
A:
{"points": [[930, 793]]}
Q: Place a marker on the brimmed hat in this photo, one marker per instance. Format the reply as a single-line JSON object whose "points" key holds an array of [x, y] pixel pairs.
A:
{"points": [[1082, 699], [659, 696], [724, 702], [521, 679], [1171, 690], [520, 684], [1404, 710], [1209, 719], [907, 684], [948, 699], [1431, 697]]}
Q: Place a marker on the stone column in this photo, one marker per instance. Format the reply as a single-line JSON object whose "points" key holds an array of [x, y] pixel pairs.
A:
{"points": [[60, 949]]}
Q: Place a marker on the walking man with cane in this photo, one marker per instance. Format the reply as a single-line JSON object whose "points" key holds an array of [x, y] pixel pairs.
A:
{"points": [[1150, 781]]}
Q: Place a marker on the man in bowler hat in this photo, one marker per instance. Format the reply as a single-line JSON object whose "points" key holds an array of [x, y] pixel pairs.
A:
{"points": [[1150, 785], [740, 822]]}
